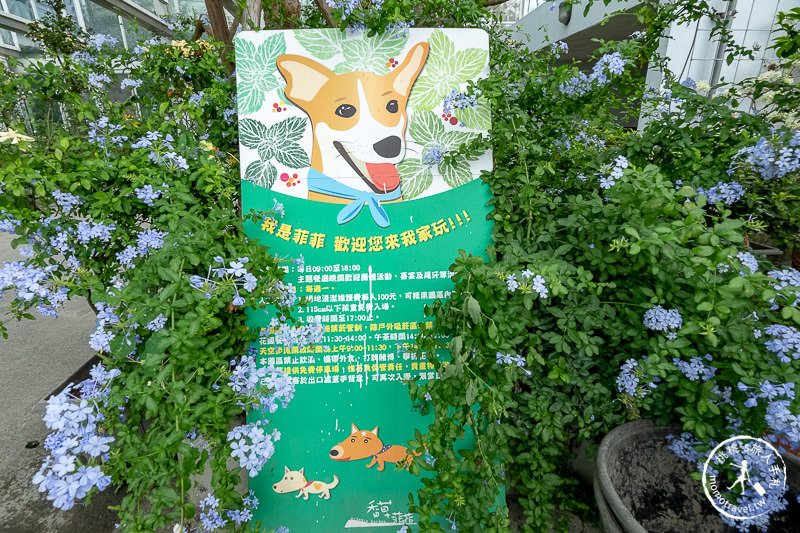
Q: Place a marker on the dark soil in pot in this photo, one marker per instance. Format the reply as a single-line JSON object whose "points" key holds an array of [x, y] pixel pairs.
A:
{"points": [[657, 487]]}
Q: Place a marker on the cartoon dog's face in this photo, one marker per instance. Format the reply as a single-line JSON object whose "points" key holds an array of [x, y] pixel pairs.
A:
{"points": [[292, 480], [359, 445], [358, 119]]}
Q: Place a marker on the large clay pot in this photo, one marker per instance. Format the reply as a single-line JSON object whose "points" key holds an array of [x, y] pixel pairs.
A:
{"points": [[641, 485]]}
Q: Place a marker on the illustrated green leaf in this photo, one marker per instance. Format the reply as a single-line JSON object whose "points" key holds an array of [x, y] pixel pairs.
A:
{"points": [[290, 130], [456, 174], [293, 156], [468, 64], [255, 67], [370, 54], [476, 118], [415, 178], [261, 174], [322, 44], [267, 150], [454, 139], [428, 92], [252, 133], [441, 47], [426, 129]]}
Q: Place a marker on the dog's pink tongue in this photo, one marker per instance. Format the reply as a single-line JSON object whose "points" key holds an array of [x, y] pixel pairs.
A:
{"points": [[384, 176]]}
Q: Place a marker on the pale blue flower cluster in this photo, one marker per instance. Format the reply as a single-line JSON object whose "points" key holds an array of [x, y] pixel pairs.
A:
{"points": [[726, 193], [67, 201], [695, 369], [235, 272], [457, 100], [664, 320], [128, 82], [8, 223], [788, 277], [628, 379], [197, 98], [615, 171], [98, 80], [97, 41], [772, 158], [148, 195], [400, 28], [537, 283], [559, 47], [146, 241], [785, 342], [76, 446], [609, 64], [749, 261], [33, 284], [101, 132], [82, 57], [683, 446], [434, 155], [252, 446], [310, 333], [509, 359]]}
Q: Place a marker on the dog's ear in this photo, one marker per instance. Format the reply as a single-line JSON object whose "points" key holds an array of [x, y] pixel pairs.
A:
{"points": [[302, 471], [406, 74], [354, 430], [375, 431], [286, 470], [304, 77]]}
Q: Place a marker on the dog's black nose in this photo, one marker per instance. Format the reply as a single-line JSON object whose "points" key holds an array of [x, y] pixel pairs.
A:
{"points": [[388, 147], [334, 453]]}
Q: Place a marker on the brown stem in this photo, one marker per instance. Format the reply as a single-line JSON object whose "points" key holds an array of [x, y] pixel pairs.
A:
{"points": [[326, 13], [491, 3]]}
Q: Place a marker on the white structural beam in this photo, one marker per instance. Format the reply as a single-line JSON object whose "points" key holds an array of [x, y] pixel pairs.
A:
{"points": [[12, 22], [133, 11]]}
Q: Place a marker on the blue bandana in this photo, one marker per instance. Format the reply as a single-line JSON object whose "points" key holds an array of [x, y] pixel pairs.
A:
{"points": [[320, 183]]}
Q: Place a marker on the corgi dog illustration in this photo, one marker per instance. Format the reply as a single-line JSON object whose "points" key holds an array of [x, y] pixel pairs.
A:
{"points": [[295, 480], [358, 123], [363, 444]]}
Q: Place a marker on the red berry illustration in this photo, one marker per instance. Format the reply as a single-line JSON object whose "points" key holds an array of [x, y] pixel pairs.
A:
{"points": [[453, 121], [284, 177]]}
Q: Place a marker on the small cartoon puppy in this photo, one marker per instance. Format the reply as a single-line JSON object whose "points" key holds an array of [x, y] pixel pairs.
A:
{"points": [[358, 121], [362, 444], [294, 480]]}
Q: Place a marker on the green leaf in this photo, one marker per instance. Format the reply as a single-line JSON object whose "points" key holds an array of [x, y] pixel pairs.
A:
{"points": [[492, 331], [293, 156], [468, 64], [321, 44], [474, 309], [415, 178], [457, 173], [428, 92], [289, 130], [266, 151], [476, 118], [426, 129], [252, 133], [472, 393], [261, 174]]}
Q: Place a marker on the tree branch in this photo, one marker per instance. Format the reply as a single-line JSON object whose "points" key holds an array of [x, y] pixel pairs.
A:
{"points": [[326, 13], [492, 3]]}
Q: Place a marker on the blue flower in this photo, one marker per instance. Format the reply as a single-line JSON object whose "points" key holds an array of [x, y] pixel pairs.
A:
{"points": [[660, 319]]}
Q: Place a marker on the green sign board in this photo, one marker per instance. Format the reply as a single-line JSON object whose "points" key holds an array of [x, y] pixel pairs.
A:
{"points": [[350, 135]]}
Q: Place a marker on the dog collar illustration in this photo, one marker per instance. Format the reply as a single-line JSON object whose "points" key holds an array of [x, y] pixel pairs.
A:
{"points": [[295, 480], [363, 444], [358, 122]]}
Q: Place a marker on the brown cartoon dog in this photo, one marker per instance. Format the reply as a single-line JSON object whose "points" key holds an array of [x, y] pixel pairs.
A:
{"points": [[295, 480], [362, 444], [358, 121]]}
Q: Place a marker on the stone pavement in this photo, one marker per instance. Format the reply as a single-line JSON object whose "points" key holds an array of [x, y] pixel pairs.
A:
{"points": [[35, 360]]}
